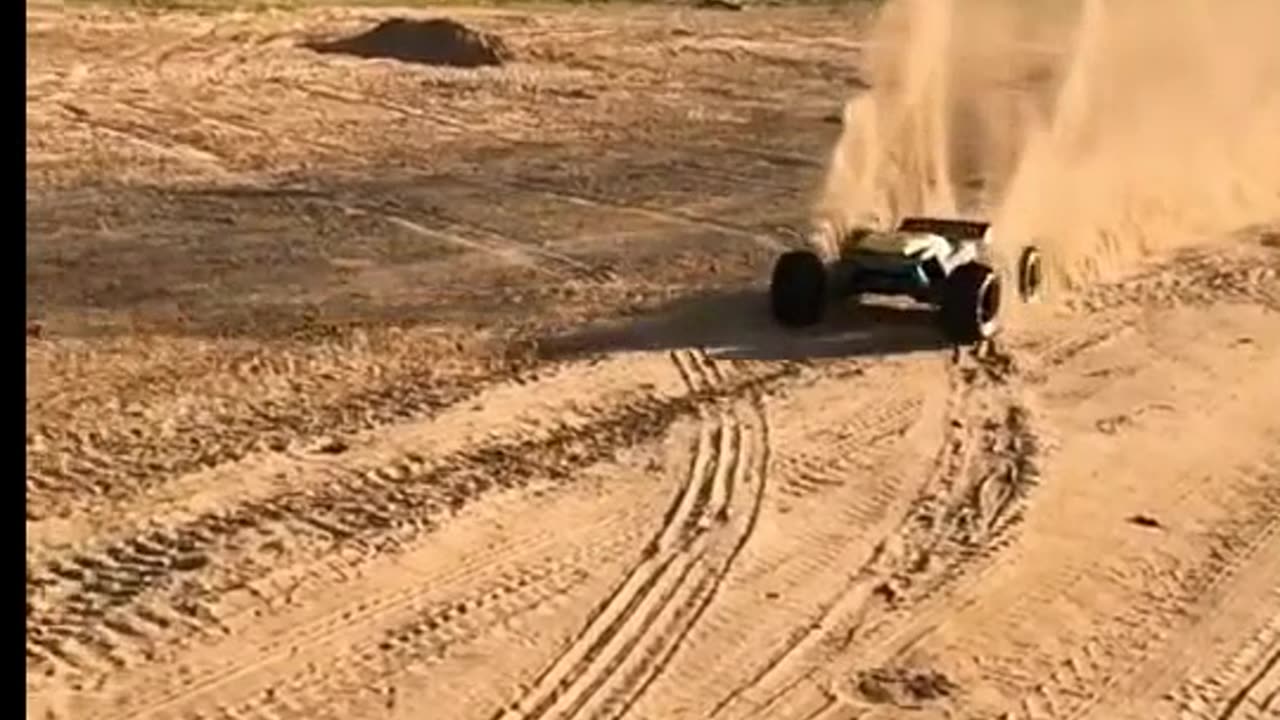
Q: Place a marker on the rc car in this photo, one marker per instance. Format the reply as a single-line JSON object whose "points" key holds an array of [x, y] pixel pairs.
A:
{"points": [[939, 262]]}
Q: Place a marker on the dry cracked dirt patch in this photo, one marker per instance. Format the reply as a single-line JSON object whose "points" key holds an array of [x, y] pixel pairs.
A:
{"points": [[369, 389]]}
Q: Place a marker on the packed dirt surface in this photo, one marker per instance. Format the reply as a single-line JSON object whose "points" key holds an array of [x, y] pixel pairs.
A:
{"points": [[361, 388]]}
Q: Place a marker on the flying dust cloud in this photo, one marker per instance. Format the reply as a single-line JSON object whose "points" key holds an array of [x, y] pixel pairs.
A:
{"points": [[1103, 130]]}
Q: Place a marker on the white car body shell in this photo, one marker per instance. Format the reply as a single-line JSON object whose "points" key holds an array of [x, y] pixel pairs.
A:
{"points": [[897, 243]]}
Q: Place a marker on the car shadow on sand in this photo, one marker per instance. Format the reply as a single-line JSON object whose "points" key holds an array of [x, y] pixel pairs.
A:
{"points": [[738, 325]]}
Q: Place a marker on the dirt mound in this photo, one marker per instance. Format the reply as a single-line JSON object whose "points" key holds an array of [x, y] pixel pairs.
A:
{"points": [[438, 41], [1103, 130]]}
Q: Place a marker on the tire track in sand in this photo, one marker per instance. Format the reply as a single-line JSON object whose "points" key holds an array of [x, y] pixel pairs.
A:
{"points": [[854, 447], [675, 216], [157, 141], [1258, 696], [633, 634], [1086, 678], [368, 666], [1245, 686], [141, 583], [78, 469], [471, 237], [1154, 591], [1222, 665], [353, 639], [1223, 642], [955, 531]]}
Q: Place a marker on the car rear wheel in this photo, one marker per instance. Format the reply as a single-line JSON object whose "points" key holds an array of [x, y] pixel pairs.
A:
{"points": [[798, 291], [971, 303]]}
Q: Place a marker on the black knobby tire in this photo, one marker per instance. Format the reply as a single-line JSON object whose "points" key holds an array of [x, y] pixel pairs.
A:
{"points": [[798, 292], [971, 303]]}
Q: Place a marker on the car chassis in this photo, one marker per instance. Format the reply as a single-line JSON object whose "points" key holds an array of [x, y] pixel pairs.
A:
{"points": [[938, 262]]}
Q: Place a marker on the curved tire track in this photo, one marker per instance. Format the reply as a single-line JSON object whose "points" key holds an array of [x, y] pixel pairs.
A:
{"points": [[1246, 685], [421, 621], [75, 600], [633, 634], [954, 531]]}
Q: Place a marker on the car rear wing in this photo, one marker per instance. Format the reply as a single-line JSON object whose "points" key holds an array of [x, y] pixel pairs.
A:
{"points": [[953, 230]]}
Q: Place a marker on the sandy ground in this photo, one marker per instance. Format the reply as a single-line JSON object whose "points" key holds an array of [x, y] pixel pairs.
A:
{"points": [[362, 389]]}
